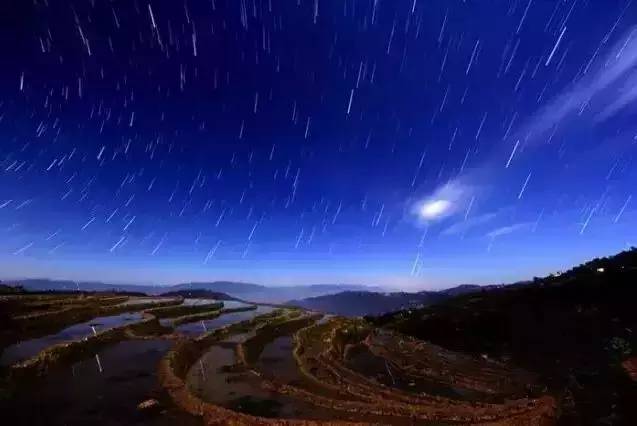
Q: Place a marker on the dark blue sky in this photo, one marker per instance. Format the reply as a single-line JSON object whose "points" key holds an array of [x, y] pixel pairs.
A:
{"points": [[410, 144]]}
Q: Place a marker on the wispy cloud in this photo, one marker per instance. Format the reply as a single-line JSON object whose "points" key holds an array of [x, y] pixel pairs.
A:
{"points": [[593, 92], [510, 229], [628, 95], [466, 225], [608, 86]]}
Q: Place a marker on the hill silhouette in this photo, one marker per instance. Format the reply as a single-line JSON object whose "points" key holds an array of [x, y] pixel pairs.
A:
{"points": [[577, 329], [358, 303]]}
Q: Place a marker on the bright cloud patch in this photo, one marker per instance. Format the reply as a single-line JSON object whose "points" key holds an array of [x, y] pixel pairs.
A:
{"points": [[445, 201], [434, 209]]}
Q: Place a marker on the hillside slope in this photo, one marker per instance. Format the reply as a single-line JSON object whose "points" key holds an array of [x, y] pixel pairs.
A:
{"points": [[575, 330], [358, 303]]}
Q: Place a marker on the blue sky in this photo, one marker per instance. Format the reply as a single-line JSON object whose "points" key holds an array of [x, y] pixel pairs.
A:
{"points": [[407, 144]]}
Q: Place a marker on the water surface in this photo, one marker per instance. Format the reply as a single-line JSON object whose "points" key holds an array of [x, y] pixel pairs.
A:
{"points": [[101, 393], [197, 328], [29, 348]]}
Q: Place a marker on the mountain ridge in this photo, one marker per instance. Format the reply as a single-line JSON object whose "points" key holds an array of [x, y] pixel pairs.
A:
{"points": [[246, 291], [358, 303]]}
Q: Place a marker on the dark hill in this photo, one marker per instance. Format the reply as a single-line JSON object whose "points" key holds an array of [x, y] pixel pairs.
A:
{"points": [[358, 303], [221, 287], [464, 289], [198, 294], [574, 329]]}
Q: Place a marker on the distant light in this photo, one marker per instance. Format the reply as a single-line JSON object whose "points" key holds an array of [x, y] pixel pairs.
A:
{"points": [[600, 269], [434, 208]]}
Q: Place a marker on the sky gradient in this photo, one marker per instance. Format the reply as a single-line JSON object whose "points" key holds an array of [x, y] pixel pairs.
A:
{"points": [[410, 144]]}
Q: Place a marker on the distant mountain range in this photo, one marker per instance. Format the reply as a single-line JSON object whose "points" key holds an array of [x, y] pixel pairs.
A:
{"points": [[245, 291], [343, 299], [260, 293], [45, 284], [359, 303]]}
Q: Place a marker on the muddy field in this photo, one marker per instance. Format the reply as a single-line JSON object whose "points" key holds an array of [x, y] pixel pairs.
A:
{"points": [[106, 359]]}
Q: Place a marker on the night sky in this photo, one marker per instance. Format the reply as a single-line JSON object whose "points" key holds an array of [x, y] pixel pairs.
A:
{"points": [[410, 144]]}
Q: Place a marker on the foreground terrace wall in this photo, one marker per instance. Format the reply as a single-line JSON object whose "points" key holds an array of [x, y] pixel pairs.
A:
{"points": [[351, 393], [175, 365], [324, 353], [248, 352]]}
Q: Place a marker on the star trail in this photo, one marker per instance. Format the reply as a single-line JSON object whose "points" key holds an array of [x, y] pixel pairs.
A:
{"points": [[411, 144]]}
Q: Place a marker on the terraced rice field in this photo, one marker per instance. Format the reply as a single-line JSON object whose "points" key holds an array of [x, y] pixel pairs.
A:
{"points": [[29, 348], [205, 363]]}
